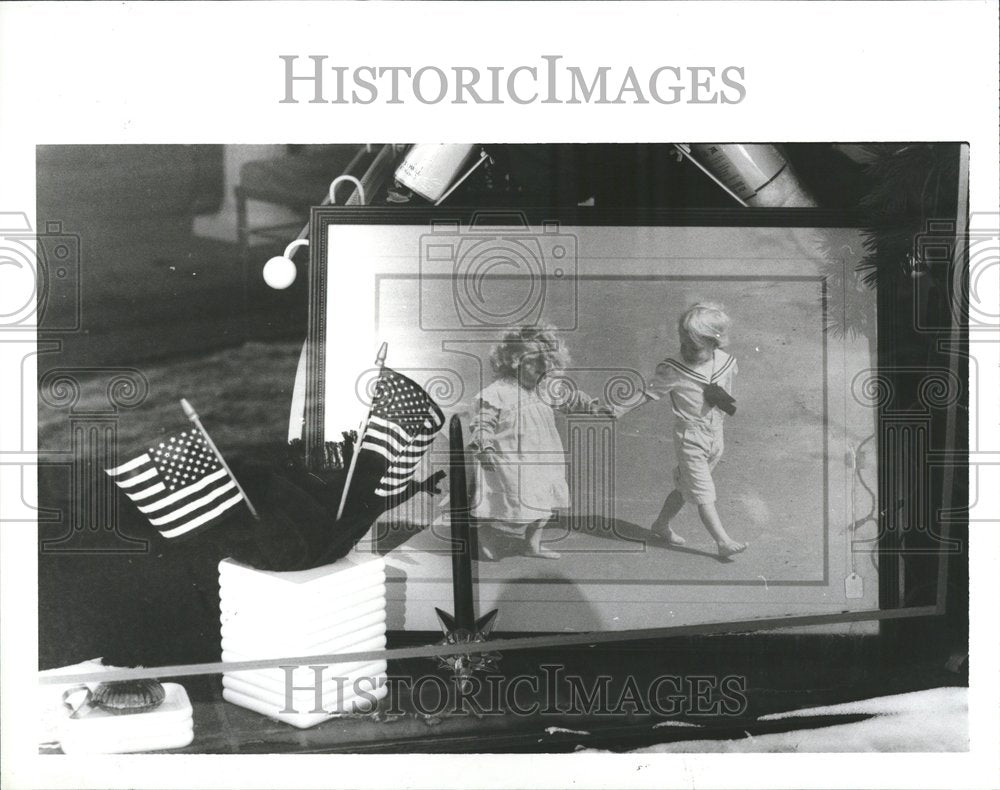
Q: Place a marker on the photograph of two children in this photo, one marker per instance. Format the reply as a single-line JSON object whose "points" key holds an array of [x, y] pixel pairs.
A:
{"points": [[655, 416]]}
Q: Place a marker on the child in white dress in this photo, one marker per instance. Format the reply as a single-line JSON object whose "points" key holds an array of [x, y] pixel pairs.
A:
{"points": [[521, 462], [700, 386]]}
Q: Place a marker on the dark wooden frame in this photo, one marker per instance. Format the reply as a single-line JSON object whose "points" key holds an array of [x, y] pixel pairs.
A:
{"points": [[943, 497]]}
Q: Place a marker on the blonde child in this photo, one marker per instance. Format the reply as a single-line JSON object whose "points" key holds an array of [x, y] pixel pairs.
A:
{"points": [[522, 475], [698, 417]]}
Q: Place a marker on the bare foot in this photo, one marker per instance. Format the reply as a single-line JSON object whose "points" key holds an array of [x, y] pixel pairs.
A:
{"points": [[671, 537], [727, 550], [533, 546], [486, 553], [545, 554]]}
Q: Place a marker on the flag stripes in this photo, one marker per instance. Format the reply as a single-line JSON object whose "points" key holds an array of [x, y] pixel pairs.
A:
{"points": [[178, 484], [204, 518], [193, 505], [179, 495], [142, 477], [147, 493], [403, 423], [403, 467], [129, 466]]}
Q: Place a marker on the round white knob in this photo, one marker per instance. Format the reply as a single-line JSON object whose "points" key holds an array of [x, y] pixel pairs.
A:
{"points": [[279, 272]]}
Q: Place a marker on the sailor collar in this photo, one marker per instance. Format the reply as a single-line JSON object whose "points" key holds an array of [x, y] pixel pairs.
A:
{"points": [[700, 377]]}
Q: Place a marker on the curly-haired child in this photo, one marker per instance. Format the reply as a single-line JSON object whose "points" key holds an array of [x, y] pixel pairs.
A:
{"points": [[700, 386], [520, 455]]}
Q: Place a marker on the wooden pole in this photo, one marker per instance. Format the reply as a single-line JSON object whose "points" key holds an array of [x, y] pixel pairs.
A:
{"points": [[193, 416], [380, 361]]}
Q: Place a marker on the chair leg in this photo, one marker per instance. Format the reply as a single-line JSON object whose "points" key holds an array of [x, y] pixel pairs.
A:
{"points": [[242, 232], [243, 253]]}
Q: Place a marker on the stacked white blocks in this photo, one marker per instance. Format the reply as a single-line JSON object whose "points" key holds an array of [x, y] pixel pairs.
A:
{"points": [[333, 609]]}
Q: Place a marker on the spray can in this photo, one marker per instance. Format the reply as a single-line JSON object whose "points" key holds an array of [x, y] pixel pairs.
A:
{"points": [[758, 175], [430, 168]]}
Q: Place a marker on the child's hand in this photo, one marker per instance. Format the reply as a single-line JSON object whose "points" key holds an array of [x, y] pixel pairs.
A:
{"points": [[600, 410], [597, 409], [432, 485], [487, 459]]}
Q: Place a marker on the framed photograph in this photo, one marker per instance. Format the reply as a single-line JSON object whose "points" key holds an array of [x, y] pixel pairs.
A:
{"points": [[552, 395], [718, 433], [802, 475]]}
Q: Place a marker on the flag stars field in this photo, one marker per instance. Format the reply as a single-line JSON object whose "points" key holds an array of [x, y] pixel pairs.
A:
{"points": [[179, 485], [401, 427]]}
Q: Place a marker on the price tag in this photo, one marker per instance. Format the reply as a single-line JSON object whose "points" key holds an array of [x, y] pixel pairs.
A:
{"points": [[854, 586]]}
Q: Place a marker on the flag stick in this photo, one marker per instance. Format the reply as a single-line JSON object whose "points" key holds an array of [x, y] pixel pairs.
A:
{"points": [[193, 416], [380, 361]]}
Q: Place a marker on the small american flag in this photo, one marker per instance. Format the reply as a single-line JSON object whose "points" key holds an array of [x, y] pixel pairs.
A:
{"points": [[404, 420], [178, 484]]}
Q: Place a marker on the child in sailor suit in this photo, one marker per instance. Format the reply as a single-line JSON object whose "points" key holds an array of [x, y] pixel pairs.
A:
{"points": [[698, 434]]}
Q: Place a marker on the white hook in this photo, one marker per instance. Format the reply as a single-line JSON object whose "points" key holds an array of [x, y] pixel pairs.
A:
{"points": [[291, 248], [280, 272], [353, 180]]}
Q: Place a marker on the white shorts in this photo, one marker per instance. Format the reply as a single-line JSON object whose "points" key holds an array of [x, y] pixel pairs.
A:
{"points": [[698, 451]]}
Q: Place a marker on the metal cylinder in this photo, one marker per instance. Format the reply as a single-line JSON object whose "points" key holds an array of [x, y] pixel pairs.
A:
{"points": [[430, 168], [759, 175]]}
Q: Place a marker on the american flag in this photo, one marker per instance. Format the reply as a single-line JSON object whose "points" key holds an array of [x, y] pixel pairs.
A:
{"points": [[178, 484], [404, 420]]}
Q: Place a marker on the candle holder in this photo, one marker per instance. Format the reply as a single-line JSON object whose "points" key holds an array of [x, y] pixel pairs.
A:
{"points": [[462, 628]]}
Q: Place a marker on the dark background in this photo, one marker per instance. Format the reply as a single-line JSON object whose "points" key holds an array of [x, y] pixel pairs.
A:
{"points": [[195, 317]]}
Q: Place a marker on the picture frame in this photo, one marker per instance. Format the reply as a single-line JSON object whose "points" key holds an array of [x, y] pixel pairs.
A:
{"points": [[351, 234]]}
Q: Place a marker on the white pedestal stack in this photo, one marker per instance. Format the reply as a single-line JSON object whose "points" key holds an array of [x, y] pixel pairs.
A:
{"points": [[338, 608]]}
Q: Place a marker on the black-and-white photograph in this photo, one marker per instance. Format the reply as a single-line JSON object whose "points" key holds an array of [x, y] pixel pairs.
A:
{"points": [[447, 394], [440, 447]]}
